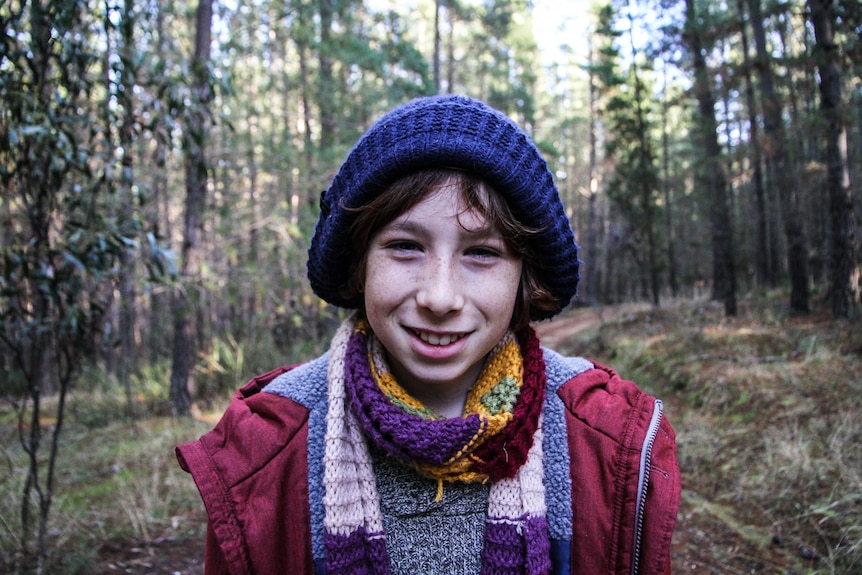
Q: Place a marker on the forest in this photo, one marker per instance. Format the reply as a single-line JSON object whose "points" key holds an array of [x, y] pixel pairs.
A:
{"points": [[162, 161]]}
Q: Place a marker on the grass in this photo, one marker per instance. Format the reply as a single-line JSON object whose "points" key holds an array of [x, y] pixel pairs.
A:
{"points": [[115, 483], [118, 484], [768, 413], [767, 409]]}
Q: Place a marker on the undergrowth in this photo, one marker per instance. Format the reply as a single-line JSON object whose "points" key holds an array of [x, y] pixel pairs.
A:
{"points": [[768, 414], [767, 409], [118, 483]]}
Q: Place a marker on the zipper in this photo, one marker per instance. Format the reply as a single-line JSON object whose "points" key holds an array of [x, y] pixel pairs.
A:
{"points": [[643, 482]]}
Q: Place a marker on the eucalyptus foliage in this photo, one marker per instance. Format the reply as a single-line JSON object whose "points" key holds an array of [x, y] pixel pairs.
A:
{"points": [[61, 241]]}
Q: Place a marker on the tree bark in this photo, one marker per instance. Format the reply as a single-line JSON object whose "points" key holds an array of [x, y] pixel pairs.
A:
{"points": [[773, 123], [38, 192], [196, 185], [300, 37], [128, 351], [842, 258], [450, 54], [436, 62], [712, 174], [765, 272], [159, 302], [666, 188], [592, 229], [645, 159], [326, 86]]}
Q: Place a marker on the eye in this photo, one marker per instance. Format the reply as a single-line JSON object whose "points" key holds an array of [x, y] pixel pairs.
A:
{"points": [[483, 252], [402, 246]]}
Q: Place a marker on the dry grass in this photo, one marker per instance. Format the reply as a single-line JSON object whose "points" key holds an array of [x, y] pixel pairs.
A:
{"points": [[117, 485], [767, 408], [768, 412]]}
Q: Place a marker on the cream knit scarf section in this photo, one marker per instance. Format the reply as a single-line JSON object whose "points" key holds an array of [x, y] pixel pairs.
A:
{"points": [[355, 541]]}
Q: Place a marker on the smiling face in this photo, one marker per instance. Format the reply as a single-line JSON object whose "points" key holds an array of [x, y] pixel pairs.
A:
{"points": [[440, 289]]}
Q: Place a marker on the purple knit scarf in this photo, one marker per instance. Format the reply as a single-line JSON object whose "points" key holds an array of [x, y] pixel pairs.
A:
{"points": [[516, 529]]}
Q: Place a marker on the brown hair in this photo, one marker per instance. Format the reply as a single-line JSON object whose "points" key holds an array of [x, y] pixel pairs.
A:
{"points": [[477, 195]]}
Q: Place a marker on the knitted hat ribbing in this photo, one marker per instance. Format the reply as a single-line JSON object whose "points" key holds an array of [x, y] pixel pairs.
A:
{"points": [[438, 132]]}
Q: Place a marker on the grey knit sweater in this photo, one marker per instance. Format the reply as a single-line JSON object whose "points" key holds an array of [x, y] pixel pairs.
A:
{"points": [[423, 536]]}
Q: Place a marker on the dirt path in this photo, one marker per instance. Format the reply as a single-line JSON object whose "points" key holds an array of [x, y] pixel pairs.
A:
{"points": [[556, 332]]}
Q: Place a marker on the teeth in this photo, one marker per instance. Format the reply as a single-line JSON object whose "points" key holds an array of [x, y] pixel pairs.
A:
{"points": [[436, 339]]}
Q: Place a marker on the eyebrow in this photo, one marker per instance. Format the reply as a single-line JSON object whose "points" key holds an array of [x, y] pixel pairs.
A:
{"points": [[413, 226]]}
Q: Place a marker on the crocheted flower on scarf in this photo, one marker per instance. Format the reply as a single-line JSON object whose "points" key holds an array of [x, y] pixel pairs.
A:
{"points": [[498, 439]]}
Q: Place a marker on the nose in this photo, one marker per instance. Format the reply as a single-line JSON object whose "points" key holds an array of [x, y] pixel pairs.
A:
{"points": [[440, 290]]}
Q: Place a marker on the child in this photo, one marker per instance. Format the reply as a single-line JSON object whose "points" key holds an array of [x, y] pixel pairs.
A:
{"points": [[437, 435]]}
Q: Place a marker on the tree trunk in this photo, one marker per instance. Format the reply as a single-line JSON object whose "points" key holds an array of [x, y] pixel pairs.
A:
{"points": [[773, 123], [326, 93], [38, 326], [436, 62], [591, 255], [301, 39], [196, 185], [128, 351], [666, 186], [253, 258], [646, 184], [765, 272], [612, 281], [109, 351], [38, 192], [842, 258], [156, 331], [450, 55], [711, 173]]}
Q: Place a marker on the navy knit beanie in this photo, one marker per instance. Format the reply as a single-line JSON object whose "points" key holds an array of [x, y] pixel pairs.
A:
{"points": [[446, 132]]}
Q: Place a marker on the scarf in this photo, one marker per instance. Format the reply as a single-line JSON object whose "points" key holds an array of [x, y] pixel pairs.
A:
{"points": [[498, 439]]}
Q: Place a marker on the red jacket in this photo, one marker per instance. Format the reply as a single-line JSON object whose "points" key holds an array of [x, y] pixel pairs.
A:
{"points": [[252, 473]]}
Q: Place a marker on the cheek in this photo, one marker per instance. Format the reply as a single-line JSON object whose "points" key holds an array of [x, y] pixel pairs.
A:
{"points": [[381, 283], [500, 292]]}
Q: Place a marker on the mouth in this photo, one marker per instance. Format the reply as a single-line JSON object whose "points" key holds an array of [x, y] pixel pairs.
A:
{"points": [[438, 339]]}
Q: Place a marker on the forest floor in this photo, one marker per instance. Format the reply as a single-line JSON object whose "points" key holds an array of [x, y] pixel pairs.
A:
{"points": [[172, 556], [767, 410]]}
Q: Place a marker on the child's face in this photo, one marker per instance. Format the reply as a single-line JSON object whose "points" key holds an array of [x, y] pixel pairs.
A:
{"points": [[440, 290]]}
